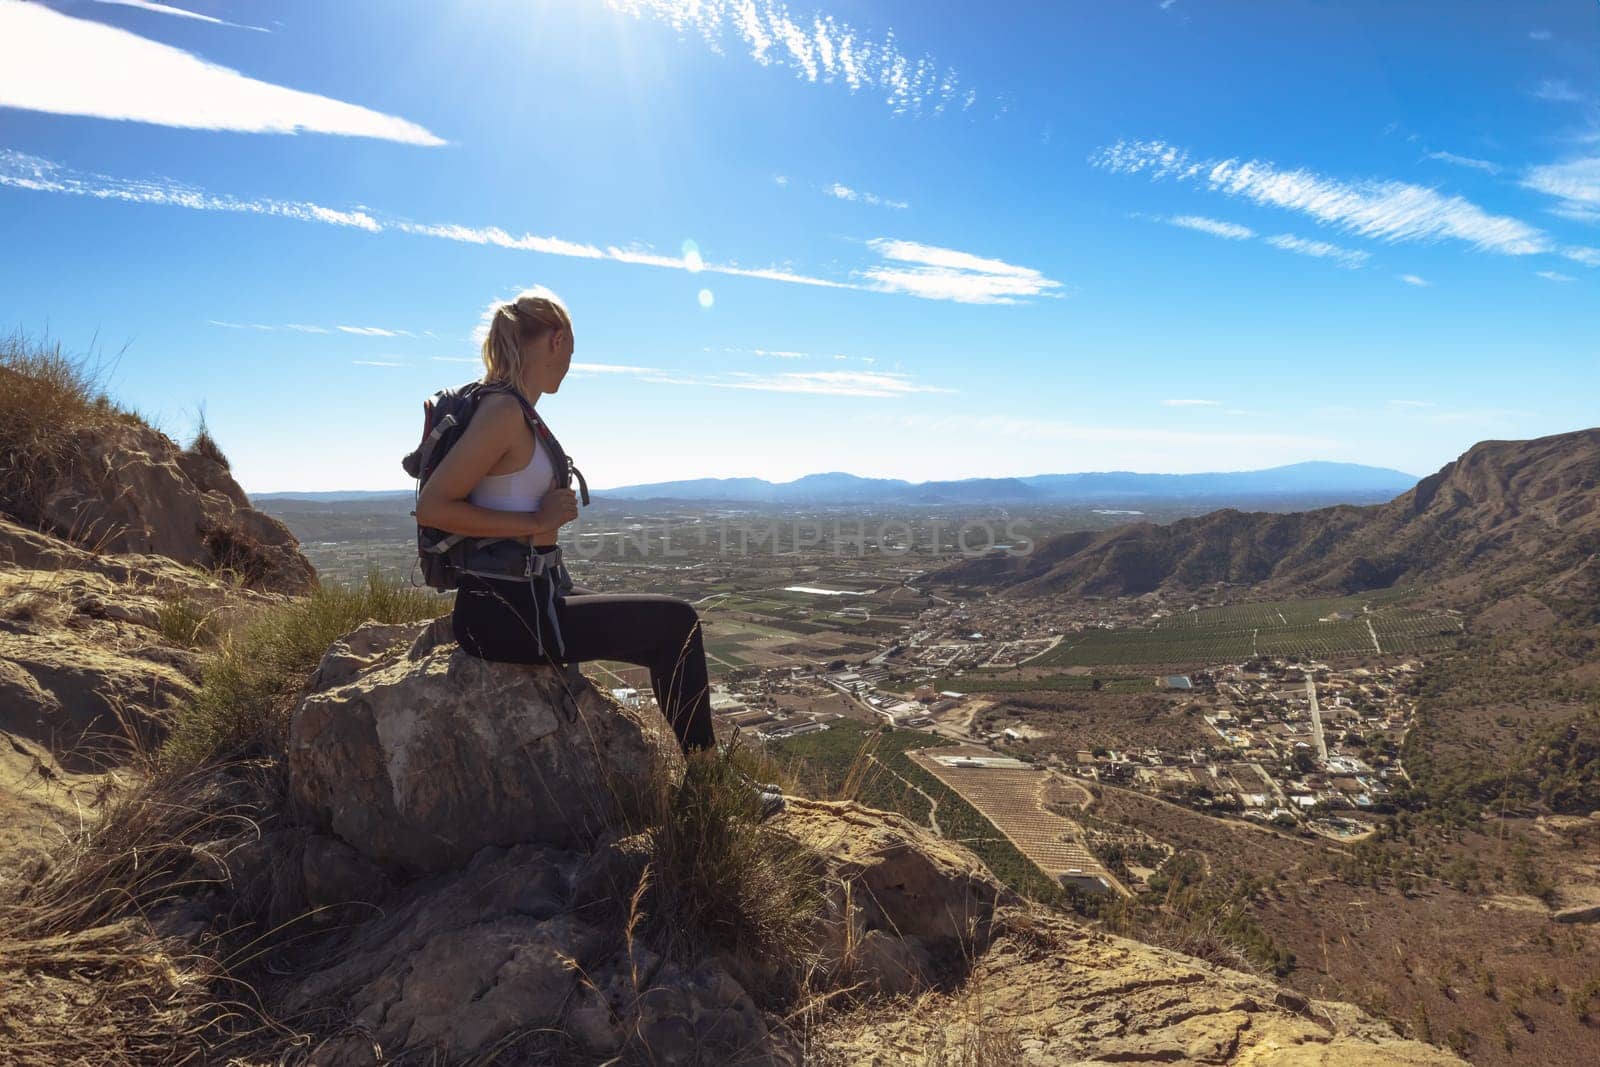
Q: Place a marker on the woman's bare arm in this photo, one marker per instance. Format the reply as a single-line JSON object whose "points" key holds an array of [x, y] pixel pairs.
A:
{"points": [[495, 428]]}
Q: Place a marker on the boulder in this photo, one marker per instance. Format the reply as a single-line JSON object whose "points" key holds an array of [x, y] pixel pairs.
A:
{"points": [[418, 760], [128, 488], [903, 911]]}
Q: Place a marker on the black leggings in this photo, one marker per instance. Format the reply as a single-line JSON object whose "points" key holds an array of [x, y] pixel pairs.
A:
{"points": [[495, 620]]}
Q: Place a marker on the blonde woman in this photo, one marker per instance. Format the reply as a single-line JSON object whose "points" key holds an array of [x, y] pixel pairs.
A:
{"points": [[505, 479]]}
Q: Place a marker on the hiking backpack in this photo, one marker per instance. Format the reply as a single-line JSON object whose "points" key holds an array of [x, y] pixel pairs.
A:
{"points": [[442, 555]]}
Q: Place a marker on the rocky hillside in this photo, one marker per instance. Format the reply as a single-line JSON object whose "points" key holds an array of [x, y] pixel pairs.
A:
{"points": [[1505, 511]]}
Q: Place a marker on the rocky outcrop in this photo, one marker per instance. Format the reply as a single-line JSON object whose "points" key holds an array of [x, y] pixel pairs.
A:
{"points": [[91, 651], [127, 488], [418, 755], [438, 784], [1052, 991]]}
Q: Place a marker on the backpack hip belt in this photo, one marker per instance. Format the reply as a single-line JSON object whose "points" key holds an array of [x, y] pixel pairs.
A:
{"points": [[547, 577]]}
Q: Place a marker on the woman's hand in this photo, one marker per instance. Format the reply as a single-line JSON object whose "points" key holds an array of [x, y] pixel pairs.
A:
{"points": [[557, 508]]}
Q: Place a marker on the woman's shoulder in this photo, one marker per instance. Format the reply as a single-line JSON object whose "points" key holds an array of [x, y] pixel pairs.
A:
{"points": [[499, 413]]}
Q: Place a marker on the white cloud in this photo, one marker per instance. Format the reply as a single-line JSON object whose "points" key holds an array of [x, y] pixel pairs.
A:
{"points": [[879, 384], [818, 49], [1191, 403], [1575, 184], [374, 331], [935, 273], [1539, 35], [1412, 279], [781, 179], [300, 327], [1464, 161], [1382, 210], [1558, 90], [54, 63], [377, 363], [608, 368], [1348, 258], [1216, 227], [844, 192], [920, 270], [1554, 276], [1589, 257], [168, 9]]}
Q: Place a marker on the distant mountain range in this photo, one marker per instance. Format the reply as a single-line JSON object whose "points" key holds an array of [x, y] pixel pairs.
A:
{"points": [[1506, 514], [1350, 481]]}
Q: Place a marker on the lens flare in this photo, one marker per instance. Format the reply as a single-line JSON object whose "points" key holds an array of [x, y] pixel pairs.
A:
{"points": [[691, 258], [706, 298]]}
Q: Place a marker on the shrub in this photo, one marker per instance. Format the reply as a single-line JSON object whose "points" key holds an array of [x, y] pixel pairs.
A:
{"points": [[248, 685]]}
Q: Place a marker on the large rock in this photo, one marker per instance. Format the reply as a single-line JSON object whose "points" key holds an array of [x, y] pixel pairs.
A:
{"points": [[903, 910], [1052, 991], [130, 489], [419, 758]]}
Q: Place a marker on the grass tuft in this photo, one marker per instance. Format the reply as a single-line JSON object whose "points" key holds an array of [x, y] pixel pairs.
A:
{"points": [[248, 686], [204, 445], [187, 623], [724, 882]]}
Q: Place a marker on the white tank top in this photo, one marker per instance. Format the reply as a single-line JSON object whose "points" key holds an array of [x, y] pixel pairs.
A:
{"points": [[520, 490]]}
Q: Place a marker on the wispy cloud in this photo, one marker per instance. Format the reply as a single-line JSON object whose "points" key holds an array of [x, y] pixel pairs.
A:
{"points": [[609, 368], [935, 273], [1217, 228], [374, 331], [880, 384], [1539, 35], [1553, 276], [1189, 403], [300, 327], [1575, 184], [818, 49], [920, 270], [844, 192], [1376, 209], [1412, 279], [1348, 258], [1464, 161], [1559, 91], [54, 63], [168, 9], [1589, 257], [377, 363]]}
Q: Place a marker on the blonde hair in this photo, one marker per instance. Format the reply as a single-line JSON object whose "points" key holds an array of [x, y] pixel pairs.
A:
{"points": [[527, 316]]}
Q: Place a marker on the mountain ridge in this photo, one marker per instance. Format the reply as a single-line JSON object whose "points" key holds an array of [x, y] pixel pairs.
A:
{"points": [[1524, 507]]}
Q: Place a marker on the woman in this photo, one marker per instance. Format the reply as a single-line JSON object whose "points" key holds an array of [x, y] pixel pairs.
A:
{"points": [[499, 481]]}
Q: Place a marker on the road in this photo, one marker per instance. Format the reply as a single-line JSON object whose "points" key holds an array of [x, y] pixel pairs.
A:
{"points": [[1375, 646], [1316, 718]]}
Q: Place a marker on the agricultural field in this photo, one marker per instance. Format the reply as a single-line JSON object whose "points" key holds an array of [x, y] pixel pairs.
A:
{"points": [[872, 764], [1324, 628]]}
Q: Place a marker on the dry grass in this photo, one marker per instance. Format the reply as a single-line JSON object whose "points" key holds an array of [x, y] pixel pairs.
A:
{"points": [[187, 623], [46, 396], [248, 686], [82, 977], [204, 445], [721, 881]]}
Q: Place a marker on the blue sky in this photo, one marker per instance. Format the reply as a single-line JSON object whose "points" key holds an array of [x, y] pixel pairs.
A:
{"points": [[903, 239]]}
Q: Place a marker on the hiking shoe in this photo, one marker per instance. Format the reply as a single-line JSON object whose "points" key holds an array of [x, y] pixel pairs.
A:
{"points": [[769, 796]]}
